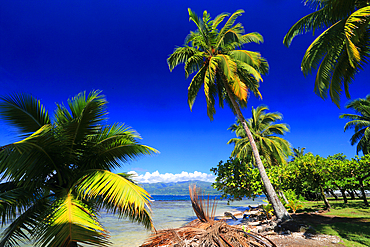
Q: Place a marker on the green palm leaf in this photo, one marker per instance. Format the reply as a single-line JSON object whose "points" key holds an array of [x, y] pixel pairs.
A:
{"points": [[355, 25], [195, 85], [181, 55], [113, 146], [71, 221], [360, 123], [23, 227], [47, 163], [24, 112], [264, 129], [116, 194]]}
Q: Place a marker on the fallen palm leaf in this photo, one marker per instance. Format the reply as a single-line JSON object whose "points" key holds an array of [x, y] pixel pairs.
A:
{"points": [[206, 231]]}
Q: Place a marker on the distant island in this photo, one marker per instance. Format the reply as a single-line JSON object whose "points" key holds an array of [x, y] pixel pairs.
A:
{"points": [[178, 188]]}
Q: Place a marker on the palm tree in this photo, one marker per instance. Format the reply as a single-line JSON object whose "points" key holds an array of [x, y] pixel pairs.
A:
{"points": [[298, 152], [266, 134], [225, 71], [59, 176], [341, 50], [360, 122]]}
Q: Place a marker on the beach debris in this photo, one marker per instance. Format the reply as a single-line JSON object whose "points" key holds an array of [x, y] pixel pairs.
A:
{"points": [[228, 214], [206, 231]]}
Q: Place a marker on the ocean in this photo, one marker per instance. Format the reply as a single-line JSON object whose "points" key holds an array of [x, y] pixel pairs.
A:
{"points": [[167, 212]]}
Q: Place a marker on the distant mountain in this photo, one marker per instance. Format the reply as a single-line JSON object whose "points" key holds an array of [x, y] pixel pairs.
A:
{"points": [[179, 188]]}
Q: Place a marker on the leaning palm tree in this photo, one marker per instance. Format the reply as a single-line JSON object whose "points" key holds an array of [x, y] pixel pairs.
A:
{"points": [[57, 178], [341, 50], [226, 71], [360, 122], [267, 135]]}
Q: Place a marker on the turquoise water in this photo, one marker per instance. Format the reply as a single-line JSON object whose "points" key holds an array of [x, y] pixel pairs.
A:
{"points": [[166, 214]]}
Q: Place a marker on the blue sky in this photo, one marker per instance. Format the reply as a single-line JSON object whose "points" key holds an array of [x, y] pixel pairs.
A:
{"points": [[56, 49]]}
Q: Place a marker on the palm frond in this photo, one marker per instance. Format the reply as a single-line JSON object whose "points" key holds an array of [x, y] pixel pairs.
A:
{"points": [[112, 146], [22, 228], [195, 85], [24, 112], [29, 161], [219, 19], [328, 13], [116, 194], [310, 22], [181, 55], [354, 26], [229, 23], [253, 37], [71, 221]]}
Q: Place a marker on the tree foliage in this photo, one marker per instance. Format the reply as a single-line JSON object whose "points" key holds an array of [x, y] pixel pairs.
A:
{"points": [[58, 177], [341, 50], [360, 122], [215, 56], [225, 71], [237, 178], [267, 135]]}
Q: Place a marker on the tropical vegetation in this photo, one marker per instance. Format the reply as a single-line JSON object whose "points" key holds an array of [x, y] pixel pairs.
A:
{"points": [[226, 72], [360, 122], [267, 134], [58, 176], [341, 50]]}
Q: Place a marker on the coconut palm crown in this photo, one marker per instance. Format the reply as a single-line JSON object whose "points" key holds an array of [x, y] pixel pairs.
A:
{"points": [[216, 57], [267, 134], [57, 178], [360, 122], [225, 71], [341, 50]]}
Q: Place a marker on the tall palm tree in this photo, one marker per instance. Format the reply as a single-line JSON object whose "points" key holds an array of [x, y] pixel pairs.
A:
{"points": [[266, 133], [360, 122], [226, 71], [57, 178], [341, 50]]}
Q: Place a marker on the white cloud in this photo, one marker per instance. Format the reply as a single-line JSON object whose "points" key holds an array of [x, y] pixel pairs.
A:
{"points": [[156, 177]]}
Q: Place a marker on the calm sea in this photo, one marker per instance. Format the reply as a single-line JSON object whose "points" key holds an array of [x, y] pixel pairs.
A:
{"points": [[168, 212]]}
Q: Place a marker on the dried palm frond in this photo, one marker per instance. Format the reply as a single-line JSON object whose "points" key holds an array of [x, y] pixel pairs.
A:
{"points": [[199, 205], [206, 231]]}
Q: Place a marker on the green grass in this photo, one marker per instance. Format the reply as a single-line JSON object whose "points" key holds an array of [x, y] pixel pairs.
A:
{"points": [[355, 231]]}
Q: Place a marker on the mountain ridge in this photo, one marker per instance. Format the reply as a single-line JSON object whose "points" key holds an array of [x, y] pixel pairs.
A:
{"points": [[178, 188]]}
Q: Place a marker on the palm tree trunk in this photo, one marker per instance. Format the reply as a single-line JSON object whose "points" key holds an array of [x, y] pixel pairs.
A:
{"points": [[282, 195], [280, 211]]}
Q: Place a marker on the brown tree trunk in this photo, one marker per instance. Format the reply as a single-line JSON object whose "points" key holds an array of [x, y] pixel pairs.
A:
{"points": [[350, 192], [333, 194], [324, 198], [363, 193], [280, 211], [343, 191]]}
